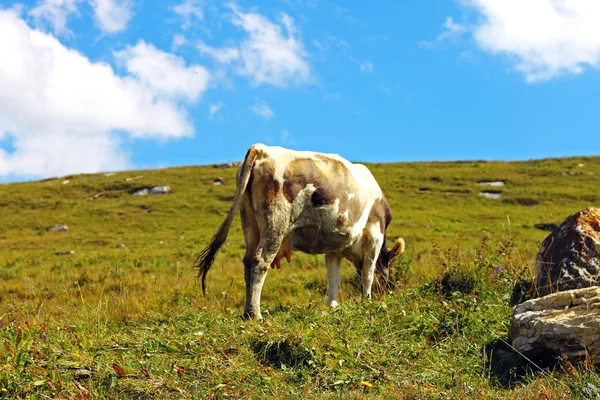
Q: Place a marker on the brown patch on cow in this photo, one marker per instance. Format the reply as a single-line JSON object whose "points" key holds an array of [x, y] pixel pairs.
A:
{"points": [[341, 221], [291, 189], [271, 191], [265, 188], [380, 212]]}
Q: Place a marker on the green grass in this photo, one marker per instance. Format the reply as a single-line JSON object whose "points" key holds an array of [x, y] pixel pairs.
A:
{"points": [[131, 322]]}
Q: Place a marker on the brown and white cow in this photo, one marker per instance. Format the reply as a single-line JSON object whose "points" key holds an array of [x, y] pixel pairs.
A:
{"points": [[312, 202]]}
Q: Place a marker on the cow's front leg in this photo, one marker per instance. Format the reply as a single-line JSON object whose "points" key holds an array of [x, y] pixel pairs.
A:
{"points": [[374, 239], [334, 277]]}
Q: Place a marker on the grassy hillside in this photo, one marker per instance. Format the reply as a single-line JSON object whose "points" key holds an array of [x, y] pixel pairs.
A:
{"points": [[124, 317]]}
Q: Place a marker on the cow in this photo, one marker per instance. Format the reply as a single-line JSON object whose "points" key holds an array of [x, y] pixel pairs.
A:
{"points": [[311, 202]]}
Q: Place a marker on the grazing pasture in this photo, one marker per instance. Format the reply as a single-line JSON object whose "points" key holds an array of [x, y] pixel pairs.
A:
{"points": [[111, 307]]}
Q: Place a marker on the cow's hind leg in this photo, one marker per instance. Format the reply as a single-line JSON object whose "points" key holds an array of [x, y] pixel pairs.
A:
{"points": [[334, 277], [372, 248]]}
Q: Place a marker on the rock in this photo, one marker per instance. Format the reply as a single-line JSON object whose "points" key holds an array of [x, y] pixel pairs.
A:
{"points": [[94, 197], [180, 238], [65, 253], [65, 182], [491, 194], [160, 190], [546, 227], [134, 178], [225, 165], [218, 181], [121, 246], [563, 323], [491, 183], [58, 228], [424, 190], [152, 190], [109, 174], [569, 256]]}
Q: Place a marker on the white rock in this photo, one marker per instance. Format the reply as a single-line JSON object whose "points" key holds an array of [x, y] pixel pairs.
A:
{"points": [[58, 228], [490, 194], [563, 323], [491, 183]]}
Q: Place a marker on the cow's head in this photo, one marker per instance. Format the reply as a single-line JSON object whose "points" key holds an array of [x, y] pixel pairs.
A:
{"points": [[385, 256]]}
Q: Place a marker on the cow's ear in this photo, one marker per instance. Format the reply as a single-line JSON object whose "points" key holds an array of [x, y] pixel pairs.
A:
{"points": [[397, 249]]}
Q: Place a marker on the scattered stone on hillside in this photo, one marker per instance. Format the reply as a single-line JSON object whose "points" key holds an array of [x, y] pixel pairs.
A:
{"points": [[564, 324], [180, 238], [491, 194], [218, 181], [580, 165], [94, 197], [152, 190], [65, 253], [225, 165], [491, 183], [569, 256], [425, 190], [66, 181], [121, 246], [83, 373], [58, 228], [134, 178], [109, 174], [546, 227]]}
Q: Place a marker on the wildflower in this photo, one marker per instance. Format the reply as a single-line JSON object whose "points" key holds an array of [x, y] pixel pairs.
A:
{"points": [[366, 384], [498, 269]]}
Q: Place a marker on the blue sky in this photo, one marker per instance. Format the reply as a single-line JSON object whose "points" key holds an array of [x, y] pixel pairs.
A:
{"points": [[101, 85]]}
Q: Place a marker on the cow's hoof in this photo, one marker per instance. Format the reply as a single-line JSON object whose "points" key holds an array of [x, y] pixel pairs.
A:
{"points": [[252, 315]]}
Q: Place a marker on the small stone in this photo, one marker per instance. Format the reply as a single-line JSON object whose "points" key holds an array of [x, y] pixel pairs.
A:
{"points": [[83, 373], [94, 197], [180, 238], [218, 181], [160, 190], [109, 174], [154, 190], [65, 253], [58, 228], [121, 246], [134, 178], [66, 181], [491, 183], [491, 194]]}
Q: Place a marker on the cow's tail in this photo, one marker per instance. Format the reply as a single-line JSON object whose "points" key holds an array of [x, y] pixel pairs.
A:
{"points": [[206, 257]]}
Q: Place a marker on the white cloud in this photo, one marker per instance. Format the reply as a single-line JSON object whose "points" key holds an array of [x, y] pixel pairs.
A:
{"points": [[178, 41], [262, 109], [165, 73], [112, 16], [223, 55], [62, 113], [214, 108], [285, 138], [333, 97], [268, 55], [187, 10], [366, 66], [56, 13], [451, 29], [546, 38]]}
